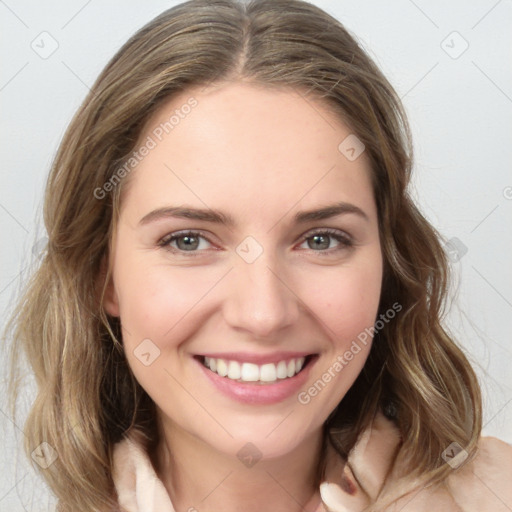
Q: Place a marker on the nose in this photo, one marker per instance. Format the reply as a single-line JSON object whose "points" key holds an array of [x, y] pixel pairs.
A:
{"points": [[259, 299]]}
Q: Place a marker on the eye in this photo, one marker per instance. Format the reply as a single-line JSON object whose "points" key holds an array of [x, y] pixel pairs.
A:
{"points": [[195, 242], [320, 241], [187, 241]]}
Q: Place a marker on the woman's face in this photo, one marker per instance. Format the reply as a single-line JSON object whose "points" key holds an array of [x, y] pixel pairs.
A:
{"points": [[247, 241]]}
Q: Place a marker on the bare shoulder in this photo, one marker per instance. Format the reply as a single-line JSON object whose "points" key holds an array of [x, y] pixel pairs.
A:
{"points": [[485, 483], [493, 449]]}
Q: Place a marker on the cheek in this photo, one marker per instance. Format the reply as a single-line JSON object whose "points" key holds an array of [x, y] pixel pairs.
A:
{"points": [[346, 305], [156, 304], [155, 300], [346, 302]]}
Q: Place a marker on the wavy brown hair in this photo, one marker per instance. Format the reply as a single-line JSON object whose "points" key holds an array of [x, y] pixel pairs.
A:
{"points": [[87, 397]]}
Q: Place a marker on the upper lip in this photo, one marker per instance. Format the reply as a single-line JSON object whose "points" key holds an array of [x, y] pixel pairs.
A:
{"points": [[259, 359]]}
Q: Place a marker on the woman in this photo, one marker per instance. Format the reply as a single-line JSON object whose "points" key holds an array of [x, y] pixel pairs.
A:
{"points": [[240, 305]]}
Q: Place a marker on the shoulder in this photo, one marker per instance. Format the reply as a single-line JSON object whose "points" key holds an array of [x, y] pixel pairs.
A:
{"points": [[482, 483], [485, 483]]}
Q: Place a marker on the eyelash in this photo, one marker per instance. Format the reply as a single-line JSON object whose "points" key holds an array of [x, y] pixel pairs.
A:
{"points": [[345, 241]]}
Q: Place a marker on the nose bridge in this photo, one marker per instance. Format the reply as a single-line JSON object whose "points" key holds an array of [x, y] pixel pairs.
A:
{"points": [[258, 299]]}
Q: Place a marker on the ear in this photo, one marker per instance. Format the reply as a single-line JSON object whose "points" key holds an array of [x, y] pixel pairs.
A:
{"points": [[110, 301]]}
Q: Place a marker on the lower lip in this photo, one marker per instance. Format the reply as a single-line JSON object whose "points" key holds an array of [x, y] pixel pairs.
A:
{"points": [[255, 393]]}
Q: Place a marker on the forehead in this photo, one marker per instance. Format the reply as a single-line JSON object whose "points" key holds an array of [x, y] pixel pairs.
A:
{"points": [[250, 145]]}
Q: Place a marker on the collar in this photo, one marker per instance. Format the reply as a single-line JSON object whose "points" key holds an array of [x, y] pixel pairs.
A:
{"points": [[348, 486]]}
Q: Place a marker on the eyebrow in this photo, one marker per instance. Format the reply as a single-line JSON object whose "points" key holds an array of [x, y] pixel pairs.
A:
{"points": [[219, 217]]}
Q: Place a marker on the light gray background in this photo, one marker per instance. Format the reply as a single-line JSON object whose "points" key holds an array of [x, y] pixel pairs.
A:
{"points": [[459, 103]]}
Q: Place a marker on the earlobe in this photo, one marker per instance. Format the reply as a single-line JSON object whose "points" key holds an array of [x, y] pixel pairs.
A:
{"points": [[109, 301]]}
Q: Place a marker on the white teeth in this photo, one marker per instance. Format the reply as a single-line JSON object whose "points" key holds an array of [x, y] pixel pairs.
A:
{"points": [[234, 371], [282, 371], [268, 372], [250, 372], [222, 367], [291, 368]]}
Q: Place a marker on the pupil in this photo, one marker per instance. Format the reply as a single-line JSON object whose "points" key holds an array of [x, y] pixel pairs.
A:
{"points": [[318, 240], [190, 242]]}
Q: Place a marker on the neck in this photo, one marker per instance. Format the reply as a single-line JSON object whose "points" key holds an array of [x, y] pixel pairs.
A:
{"points": [[199, 478]]}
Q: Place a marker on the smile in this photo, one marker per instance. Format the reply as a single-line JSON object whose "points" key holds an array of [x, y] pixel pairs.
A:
{"points": [[251, 372], [256, 378]]}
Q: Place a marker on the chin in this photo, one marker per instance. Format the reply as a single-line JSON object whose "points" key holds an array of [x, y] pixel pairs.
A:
{"points": [[265, 437]]}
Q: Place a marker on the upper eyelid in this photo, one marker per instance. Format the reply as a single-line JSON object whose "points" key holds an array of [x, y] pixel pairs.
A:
{"points": [[329, 231]]}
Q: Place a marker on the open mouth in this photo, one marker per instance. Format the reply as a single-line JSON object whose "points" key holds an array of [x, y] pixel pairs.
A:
{"points": [[245, 372]]}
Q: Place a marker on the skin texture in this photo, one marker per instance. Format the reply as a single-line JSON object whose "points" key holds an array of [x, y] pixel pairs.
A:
{"points": [[260, 155]]}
